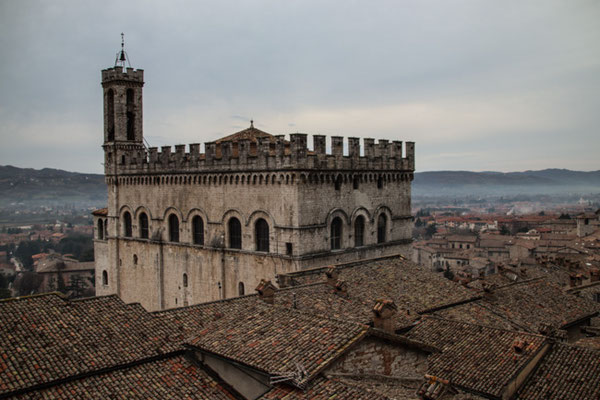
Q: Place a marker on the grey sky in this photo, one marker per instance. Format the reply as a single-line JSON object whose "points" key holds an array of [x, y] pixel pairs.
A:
{"points": [[478, 85]]}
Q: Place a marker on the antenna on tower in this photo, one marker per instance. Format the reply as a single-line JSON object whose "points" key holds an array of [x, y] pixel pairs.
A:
{"points": [[122, 56]]}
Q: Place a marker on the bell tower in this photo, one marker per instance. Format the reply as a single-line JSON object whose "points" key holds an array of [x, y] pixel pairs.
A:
{"points": [[123, 123]]}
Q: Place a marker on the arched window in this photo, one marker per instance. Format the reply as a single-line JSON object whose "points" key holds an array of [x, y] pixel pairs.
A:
{"points": [[104, 278], [261, 232], [359, 231], [235, 233], [381, 228], [135, 259], [336, 233], [338, 182], [185, 280], [143, 226], [197, 230], [106, 228], [100, 229], [127, 224], [241, 290], [130, 115], [110, 114], [173, 228]]}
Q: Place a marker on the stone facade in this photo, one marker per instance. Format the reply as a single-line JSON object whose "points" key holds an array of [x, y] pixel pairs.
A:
{"points": [[169, 238]]}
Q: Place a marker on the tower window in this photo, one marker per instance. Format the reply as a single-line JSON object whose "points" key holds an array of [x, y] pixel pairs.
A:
{"points": [[135, 259], [261, 232], [355, 182], [235, 233], [381, 228], [173, 228], [185, 280], [359, 231], [197, 230], [336, 233], [100, 229], [110, 115], [127, 224], [241, 289], [130, 115], [143, 226], [379, 182], [106, 228], [104, 278], [289, 249]]}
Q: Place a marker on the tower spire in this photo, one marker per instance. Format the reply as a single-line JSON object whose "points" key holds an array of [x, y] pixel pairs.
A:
{"points": [[122, 56]]}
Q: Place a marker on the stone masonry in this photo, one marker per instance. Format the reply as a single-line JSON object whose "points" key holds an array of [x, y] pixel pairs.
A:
{"points": [[168, 237]]}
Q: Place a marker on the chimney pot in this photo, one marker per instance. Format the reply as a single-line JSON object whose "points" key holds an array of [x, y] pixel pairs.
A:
{"points": [[266, 291], [332, 275], [383, 313]]}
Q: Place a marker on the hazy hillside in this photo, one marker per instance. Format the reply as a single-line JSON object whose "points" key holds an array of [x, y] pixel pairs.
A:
{"points": [[52, 186], [548, 181]]}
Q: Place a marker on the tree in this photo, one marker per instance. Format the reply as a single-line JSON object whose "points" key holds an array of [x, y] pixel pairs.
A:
{"points": [[76, 286], [504, 230], [541, 214], [430, 230]]}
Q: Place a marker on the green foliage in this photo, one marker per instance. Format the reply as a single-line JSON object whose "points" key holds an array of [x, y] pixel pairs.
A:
{"points": [[504, 230], [564, 216], [430, 230], [25, 250]]}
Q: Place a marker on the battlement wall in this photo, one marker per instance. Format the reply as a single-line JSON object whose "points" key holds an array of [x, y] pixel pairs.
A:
{"points": [[118, 74], [273, 154]]}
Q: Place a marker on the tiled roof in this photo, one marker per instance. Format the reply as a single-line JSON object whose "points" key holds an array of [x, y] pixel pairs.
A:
{"points": [[475, 357], [322, 299], [321, 389], [275, 339], [475, 313], [269, 338], [102, 212], [45, 338], [250, 133], [171, 378], [537, 301], [566, 372], [409, 285]]}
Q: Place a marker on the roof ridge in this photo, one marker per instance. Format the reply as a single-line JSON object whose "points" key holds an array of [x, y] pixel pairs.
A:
{"points": [[31, 296]]}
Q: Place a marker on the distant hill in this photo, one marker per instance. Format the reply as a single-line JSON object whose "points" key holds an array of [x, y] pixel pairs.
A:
{"points": [[50, 187], [53, 186], [547, 181]]}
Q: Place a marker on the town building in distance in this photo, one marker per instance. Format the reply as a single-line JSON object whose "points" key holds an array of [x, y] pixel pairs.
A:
{"points": [[189, 226]]}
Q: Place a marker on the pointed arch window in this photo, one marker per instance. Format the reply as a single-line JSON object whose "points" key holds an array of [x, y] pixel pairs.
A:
{"points": [[261, 232], [185, 280], [143, 221], [336, 233], [359, 231], [127, 224], [198, 230], [173, 228], [104, 278], [241, 289], [381, 228], [235, 233]]}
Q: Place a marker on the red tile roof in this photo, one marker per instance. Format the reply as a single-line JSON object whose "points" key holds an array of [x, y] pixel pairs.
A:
{"points": [[566, 372]]}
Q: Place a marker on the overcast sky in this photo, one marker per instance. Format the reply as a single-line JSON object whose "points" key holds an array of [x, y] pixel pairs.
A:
{"points": [[478, 85]]}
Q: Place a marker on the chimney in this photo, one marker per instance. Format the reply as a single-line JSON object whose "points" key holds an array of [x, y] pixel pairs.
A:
{"points": [[594, 275], [489, 291], [519, 346], [266, 291], [332, 275], [341, 288], [383, 313]]}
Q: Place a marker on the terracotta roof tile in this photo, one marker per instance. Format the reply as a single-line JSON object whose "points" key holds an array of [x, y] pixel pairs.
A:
{"points": [[45, 338], [566, 372], [172, 378], [475, 357]]}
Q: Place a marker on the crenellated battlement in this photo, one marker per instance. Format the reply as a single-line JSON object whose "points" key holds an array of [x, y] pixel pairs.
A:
{"points": [[272, 153], [119, 74]]}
